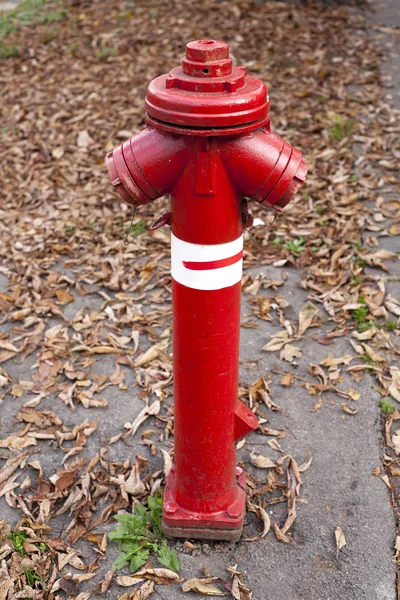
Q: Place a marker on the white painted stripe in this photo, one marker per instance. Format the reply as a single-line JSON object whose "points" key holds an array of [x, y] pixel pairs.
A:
{"points": [[209, 279]]}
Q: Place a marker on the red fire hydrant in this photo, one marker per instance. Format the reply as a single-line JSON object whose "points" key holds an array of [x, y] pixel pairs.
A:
{"points": [[208, 144]]}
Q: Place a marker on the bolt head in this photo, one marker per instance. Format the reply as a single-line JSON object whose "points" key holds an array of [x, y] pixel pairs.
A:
{"points": [[170, 508], [233, 512]]}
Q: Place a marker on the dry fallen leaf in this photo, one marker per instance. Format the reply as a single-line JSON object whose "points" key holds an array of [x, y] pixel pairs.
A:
{"points": [[340, 539], [262, 462], [287, 380], [348, 410], [306, 315], [202, 586], [290, 352]]}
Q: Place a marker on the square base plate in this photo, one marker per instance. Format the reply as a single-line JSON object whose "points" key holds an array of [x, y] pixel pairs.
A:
{"points": [[178, 522]]}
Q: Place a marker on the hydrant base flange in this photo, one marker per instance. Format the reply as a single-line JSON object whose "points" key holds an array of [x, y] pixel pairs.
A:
{"points": [[222, 525], [196, 533]]}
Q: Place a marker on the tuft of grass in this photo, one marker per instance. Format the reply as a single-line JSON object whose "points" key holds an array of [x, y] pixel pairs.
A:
{"points": [[367, 325], [295, 246], [361, 314], [106, 52], [54, 17], [342, 128], [386, 406], [139, 535], [370, 362], [391, 325], [135, 229], [30, 12], [32, 577], [18, 539], [8, 51], [357, 244]]}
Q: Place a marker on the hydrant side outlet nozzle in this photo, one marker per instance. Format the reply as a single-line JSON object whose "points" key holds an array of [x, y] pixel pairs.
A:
{"points": [[208, 144]]}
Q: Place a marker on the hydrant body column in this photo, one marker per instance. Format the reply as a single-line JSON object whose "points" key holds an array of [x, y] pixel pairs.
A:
{"points": [[207, 250], [209, 146]]}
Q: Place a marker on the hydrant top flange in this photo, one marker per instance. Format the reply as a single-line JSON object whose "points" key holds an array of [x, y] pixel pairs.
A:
{"points": [[207, 95]]}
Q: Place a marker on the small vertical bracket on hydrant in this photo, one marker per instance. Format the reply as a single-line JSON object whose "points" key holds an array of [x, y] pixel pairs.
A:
{"points": [[208, 144]]}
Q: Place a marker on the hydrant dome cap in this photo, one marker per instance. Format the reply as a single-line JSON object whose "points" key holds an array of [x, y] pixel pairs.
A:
{"points": [[207, 92]]}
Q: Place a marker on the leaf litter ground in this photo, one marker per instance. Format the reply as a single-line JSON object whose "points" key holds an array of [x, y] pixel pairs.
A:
{"points": [[81, 314]]}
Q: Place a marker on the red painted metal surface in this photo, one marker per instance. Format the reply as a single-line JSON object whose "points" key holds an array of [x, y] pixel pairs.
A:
{"points": [[209, 146]]}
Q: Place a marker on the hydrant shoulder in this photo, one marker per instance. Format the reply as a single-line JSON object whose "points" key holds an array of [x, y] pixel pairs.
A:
{"points": [[146, 166], [265, 167]]}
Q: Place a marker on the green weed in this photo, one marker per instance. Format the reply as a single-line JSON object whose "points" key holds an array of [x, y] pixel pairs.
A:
{"points": [[391, 325], [357, 245], [18, 539], [106, 52], [341, 129], [29, 12], [7, 51], [295, 246], [367, 325], [31, 577], [386, 406], [136, 229], [360, 314], [369, 360], [139, 535]]}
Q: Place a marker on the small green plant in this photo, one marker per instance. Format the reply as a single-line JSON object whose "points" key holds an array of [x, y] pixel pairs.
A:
{"points": [[18, 539], [369, 360], [318, 210], [59, 15], [106, 52], [295, 246], [360, 263], [30, 12], [31, 577], [324, 223], [320, 99], [367, 325], [361, 313], [357, 244], [391, 325], [136, 229], [7, 51], [139, 535], [341, 129], [276, 241], [386, 406]]}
